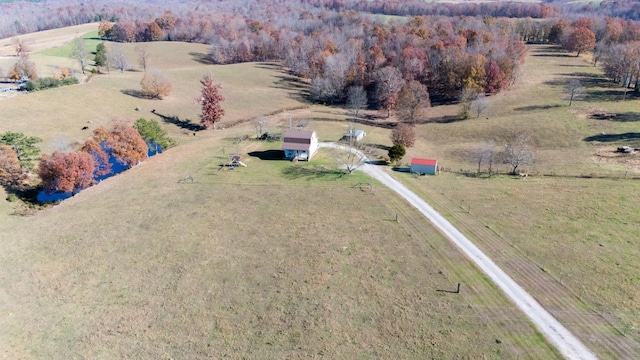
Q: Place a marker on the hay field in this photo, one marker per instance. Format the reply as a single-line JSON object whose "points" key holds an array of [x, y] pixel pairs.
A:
{"points": [[273, 260]]}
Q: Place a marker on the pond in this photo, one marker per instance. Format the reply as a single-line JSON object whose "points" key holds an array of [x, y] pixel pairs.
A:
{"points": [[116, 168]]}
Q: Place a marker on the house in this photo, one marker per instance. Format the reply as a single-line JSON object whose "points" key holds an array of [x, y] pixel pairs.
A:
{"points": [[356, 135], [424, 166], [300, 145]]}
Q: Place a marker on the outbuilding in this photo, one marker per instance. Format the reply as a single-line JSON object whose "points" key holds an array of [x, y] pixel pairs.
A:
{"points": [[424, 166], [356, 135], [300, 145]]}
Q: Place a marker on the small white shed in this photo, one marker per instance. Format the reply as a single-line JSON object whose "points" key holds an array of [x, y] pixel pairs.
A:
{"points": [[356, 135]]}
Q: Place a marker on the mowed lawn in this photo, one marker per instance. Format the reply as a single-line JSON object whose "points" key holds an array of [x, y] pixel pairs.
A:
{"points": [[274, 260]]}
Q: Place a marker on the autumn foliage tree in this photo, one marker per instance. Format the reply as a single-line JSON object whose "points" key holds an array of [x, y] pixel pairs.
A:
{"points": [[155, 84], [210, 100], [66, 172], [123, 142], [580, 39], [100, 157], [404, 135], [11, 172]]}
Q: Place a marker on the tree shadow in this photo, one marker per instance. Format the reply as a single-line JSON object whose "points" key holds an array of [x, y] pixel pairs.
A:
{"points": [[613, 137], [183, 124], [371, 120], [379, 146], [202, 58], [138, 94], [617, 117], [268, 154], [612, 95], [547, 54], [537, 107], [447, 119], [311, 172]]}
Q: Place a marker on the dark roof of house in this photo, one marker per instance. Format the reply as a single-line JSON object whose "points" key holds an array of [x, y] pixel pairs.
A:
{"points": [[418, 161], [297, 140], [296, 134]]}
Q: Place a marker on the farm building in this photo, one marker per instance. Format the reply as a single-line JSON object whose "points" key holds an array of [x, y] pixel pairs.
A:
{"points": [[356, 135], [424, 166], [301, 145]]}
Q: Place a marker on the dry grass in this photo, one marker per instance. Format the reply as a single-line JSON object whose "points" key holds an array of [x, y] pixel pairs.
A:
{"points": [[269, 261], [245, 263]]}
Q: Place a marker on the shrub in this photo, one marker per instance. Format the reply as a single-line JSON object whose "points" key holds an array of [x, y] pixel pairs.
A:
{"points": [[49, 82], [152, 133], [397, 152]]}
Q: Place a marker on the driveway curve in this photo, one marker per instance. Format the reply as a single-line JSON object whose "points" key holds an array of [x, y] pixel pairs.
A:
{"points": [[566, 343]]}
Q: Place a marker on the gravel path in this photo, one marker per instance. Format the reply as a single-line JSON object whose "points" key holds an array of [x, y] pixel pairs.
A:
{"points": [[568, 345]]}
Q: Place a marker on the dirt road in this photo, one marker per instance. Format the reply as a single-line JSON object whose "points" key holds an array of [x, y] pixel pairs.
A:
{"points": [[568, 345]]}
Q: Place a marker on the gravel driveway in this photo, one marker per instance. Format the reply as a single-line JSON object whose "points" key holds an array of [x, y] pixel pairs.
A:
{"points": [[568, 345]]}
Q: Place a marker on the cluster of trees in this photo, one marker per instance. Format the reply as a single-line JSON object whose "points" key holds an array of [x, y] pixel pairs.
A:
{"points": [[70, 172], [337, 51], [418, 8], [18, 153]]}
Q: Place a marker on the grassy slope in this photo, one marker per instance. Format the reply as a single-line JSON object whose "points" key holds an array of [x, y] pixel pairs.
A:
{"points": [[580, 233], [273, 260]]}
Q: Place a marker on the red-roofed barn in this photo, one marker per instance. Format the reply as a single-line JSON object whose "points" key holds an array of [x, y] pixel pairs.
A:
{"points": [[424, 166]]}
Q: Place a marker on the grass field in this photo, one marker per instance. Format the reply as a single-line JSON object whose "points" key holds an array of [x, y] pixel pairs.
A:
{"points": [[570, 240], [273, 260]]}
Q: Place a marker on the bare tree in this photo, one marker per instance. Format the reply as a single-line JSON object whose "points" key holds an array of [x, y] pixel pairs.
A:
{"points": [[143, 55], [518, 152], [575, 91], [350, 160], [260, 124], [480, 104], [467, 96], [118, 58], [485, 153], [323, 90], [20, 46], [389, 81], [80, 52], [356, 99]]}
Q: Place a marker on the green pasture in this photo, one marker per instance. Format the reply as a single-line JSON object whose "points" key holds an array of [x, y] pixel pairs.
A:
{"points": [[91, 41]]}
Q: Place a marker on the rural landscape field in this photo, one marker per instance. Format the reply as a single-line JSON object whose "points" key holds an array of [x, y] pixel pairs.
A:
{"points": [[182, 256]]}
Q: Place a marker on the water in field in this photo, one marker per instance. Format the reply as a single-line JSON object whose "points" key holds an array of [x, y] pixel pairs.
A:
{"points": [[116, 168]]}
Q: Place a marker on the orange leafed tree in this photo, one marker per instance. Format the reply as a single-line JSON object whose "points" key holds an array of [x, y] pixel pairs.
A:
{"points": [[404, 135], [123, 142], [100, 157], [66, 172], [155, 84], [580, 40], [210, 100], [11, 173], [104, 29]]}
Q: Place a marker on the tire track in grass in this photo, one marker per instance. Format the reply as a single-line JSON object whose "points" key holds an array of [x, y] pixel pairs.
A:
{"points": [[505, 323], [556, 298]]}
